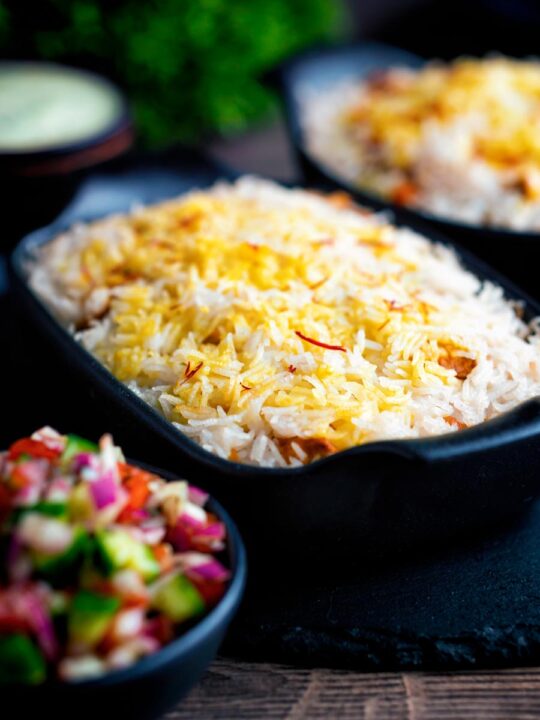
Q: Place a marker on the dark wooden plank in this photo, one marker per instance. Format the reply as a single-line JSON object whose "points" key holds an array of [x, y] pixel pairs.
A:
{"points": [[483, 695], [247, 691]]}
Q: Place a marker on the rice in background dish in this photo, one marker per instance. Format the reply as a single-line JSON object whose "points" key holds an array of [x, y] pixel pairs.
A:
{"points": [[460, 140], [277, 326]]}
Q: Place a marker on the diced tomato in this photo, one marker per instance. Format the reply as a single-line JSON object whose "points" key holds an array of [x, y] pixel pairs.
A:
{"points": [[13, 615], [30, 472], [136, 601], [130, 471], [18, 478], [212, 592], [163, 555], [161, 628], [5, 500], [138, 492], [33, 448], [100, 585], [135, 481], [128, 516], [10, 622]]}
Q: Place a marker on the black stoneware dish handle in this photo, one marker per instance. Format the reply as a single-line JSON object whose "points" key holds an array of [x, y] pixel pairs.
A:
{"points": [[389, 498]]}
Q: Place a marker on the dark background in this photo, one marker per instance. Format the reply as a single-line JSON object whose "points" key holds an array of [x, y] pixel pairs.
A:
{"points": [[192, 68]]}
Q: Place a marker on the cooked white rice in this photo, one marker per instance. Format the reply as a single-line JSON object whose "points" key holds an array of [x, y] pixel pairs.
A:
{"points": [[209, 307], [460, 141]]}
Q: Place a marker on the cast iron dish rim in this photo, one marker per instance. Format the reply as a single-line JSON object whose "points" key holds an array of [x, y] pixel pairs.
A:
{"points": [[278, 79], [120, 122], [483, 436], [176, 650]]}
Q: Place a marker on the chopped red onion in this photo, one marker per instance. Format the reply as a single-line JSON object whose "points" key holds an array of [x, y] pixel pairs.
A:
{"points": [[34, 471], [189, 521], [197, 496], [28, 495], [128, 623], [45, 534], [152, 531], [179, 538], [104, 491], [18, 564], [139, 514], [213, 530], [84, 459], [126, 654], [211, 570], [58, 490], [30, 605]]}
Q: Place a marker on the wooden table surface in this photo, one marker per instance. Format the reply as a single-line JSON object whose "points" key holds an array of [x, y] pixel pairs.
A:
{"points": [[234, 690], [237, 690]]}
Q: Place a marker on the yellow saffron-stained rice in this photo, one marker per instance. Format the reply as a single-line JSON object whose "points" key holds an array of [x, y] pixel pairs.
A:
{"points": [[217, 308], [459, 139]]}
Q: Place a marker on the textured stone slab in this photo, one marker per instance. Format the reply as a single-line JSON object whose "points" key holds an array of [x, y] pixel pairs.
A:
{"points": [[477, 606]]}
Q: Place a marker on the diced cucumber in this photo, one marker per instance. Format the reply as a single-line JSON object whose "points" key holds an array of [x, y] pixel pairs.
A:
{"points": [[118, 550], [57, 569], [74, 446], [178, 598], [81, 506], [52, 509], [59, 603], [90, 616], [21, 661]]}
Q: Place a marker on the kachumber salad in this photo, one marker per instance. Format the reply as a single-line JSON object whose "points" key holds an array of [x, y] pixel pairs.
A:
{"points": [[277, 326], [103, 562], [459, 140]]}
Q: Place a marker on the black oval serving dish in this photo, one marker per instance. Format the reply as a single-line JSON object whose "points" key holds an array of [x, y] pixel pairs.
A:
{"points": [[357, 506], [154, 684], [514, 252]]}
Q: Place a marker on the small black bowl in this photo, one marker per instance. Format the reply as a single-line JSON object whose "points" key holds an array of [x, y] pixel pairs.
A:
{"points": [[38, 180], [514, 252], [154, 684]]}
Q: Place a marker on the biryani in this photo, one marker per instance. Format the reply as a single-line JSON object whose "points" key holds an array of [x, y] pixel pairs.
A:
{"points": [[277, 326], [460, 140]]}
